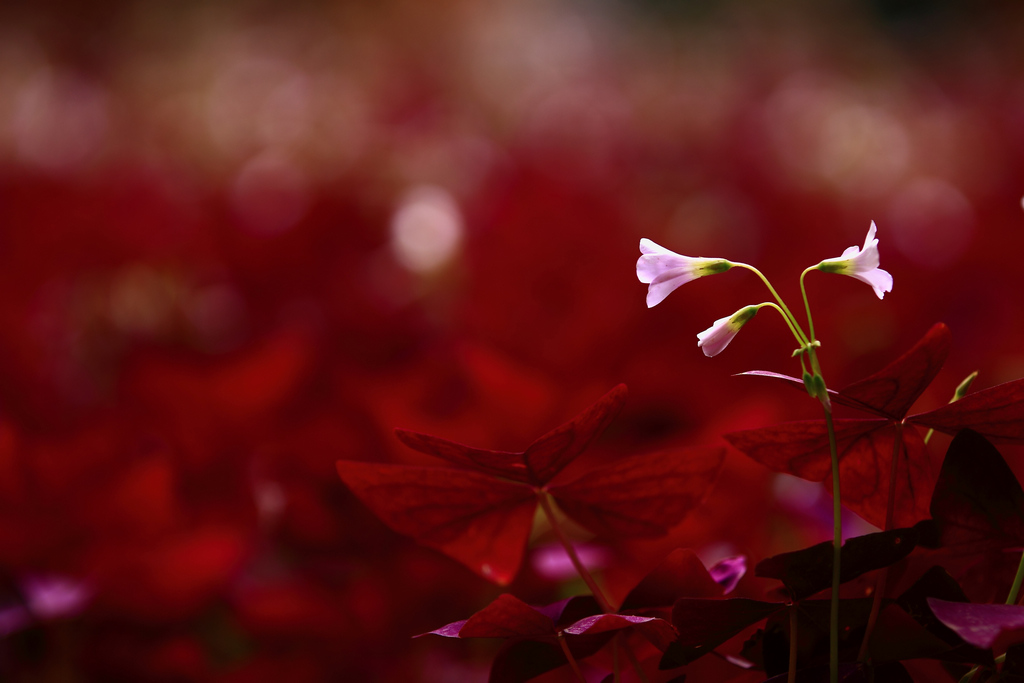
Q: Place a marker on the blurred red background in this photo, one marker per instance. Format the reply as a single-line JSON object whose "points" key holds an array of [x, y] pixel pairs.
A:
{"points": [[242, 240]]}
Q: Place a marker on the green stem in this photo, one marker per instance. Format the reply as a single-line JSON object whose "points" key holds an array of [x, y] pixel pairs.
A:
{"points": [[807, 303], [792, 328], [837, 545], [801, 337], [837, 506]]}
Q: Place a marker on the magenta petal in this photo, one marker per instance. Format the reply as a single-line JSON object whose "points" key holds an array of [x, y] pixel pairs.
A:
{"points": [[978, 625], [658, 631], [728, 572], [605, 622], [448, 630]]}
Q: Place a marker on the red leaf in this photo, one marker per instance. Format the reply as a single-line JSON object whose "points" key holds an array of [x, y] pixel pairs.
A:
{"points": [[978, 502], [705, 624], [545, 457], [865, 449], [799, 448], [550, 454], [524, 660], [680, 575], [996, 412], [641, 496], [508, 617], [891, 391], [478, 520], [499, 463]]}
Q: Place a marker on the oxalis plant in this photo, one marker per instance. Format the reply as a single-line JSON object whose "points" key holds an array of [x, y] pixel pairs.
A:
{"points": [[904, 593]]}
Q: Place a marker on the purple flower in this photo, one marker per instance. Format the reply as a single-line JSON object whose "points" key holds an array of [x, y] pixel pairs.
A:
{"points": [[665, 270], [714, 339], [861, 264]]}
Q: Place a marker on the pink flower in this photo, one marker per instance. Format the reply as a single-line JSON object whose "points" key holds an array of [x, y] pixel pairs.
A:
{"points": [[861, 264], [714, 339], [665, 270]]}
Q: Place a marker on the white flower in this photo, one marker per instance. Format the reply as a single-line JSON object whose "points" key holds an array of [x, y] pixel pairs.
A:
{"points": [[714, 339], [861, 264], [665, 270]]}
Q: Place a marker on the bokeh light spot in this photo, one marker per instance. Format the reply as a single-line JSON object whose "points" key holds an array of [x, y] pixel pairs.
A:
{"points": [[426, 229]]}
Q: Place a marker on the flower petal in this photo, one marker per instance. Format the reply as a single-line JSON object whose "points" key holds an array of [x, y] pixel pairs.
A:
{"points": [[713, 340], [664, 285], [880, 280]]}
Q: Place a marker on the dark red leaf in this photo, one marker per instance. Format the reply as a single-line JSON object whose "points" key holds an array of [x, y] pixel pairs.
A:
{"points": [[891, 391], [643, 495], [703, 625], [476, 519], [808, 571], [996, 412], [865, 449], [549, 454], [799, 448], [937, 583], [680, 575], [889, 672], [545, 457], [520, 661], [978, 625], [507, 617], [498, 463], [897, 636], [658, 631], [978, 502]]}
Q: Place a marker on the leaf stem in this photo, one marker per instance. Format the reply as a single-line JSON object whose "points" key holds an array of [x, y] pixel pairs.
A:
{"points": [[545, 503], [837, 545], [572, 660]]}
